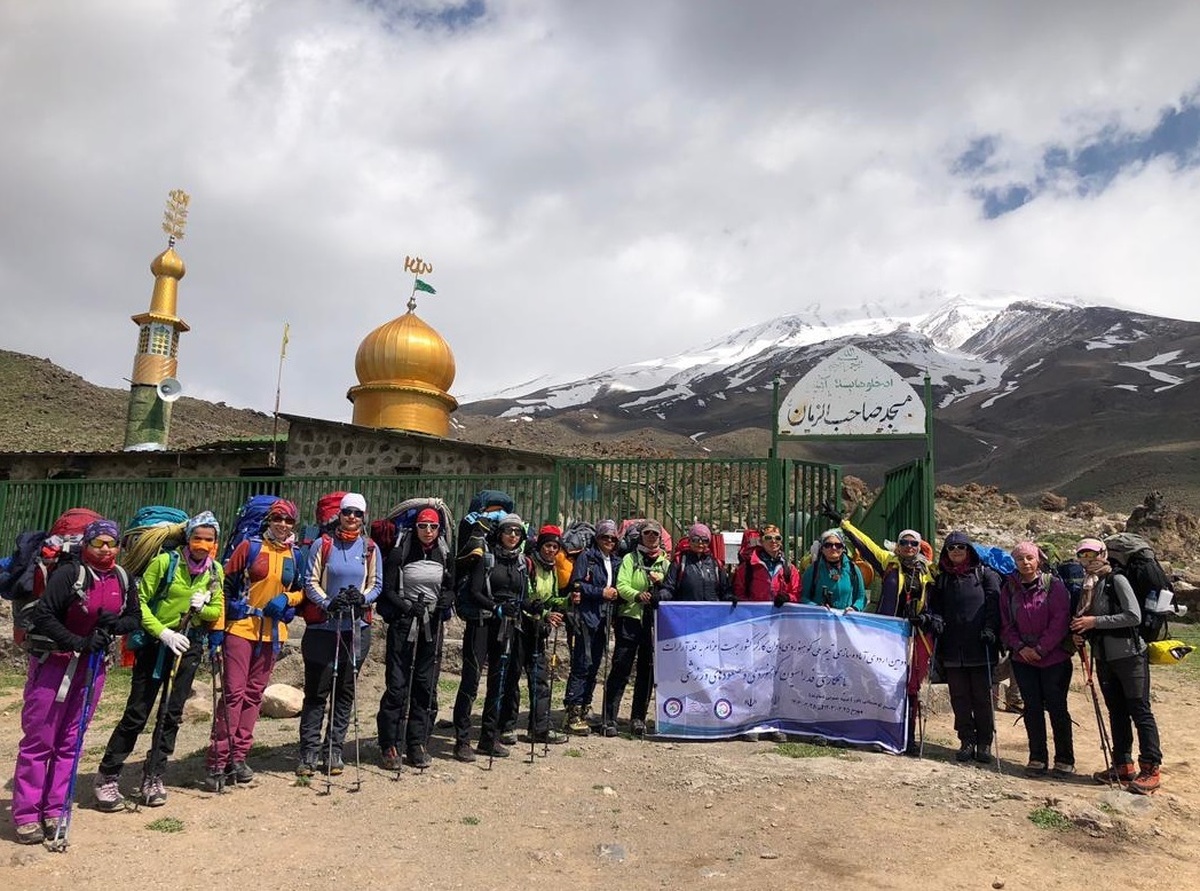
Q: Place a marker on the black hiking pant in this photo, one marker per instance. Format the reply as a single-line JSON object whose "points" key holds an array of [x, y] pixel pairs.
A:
{"points": [[405, 710], [139, 708], [318, 647], [634, 643], [490, 641], [971, 702], [1125, 684], [1045, 690], [529, 657]]}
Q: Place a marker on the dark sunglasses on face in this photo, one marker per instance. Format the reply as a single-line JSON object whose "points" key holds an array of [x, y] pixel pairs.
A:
{"points": [[649, 533], [278, 518], [831, 546], [429, 526], [352, 512], [956, 547], [511, 530], [772, 538], [908, 543], [606, 538], [99, 543], [1087, 554]]}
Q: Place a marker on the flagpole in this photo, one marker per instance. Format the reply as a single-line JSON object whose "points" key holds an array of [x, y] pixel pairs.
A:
{"points": [[278, 389]]}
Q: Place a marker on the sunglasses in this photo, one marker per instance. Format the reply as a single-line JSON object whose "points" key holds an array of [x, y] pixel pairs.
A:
{"points": [[832, 546], [772, 538], [702, 541], [908, 543], [99, 543], [279, 518], [1087, 553], [511, 530], [956, 547], [606, 538], [428, 526], [352, 512], [651, 533]]}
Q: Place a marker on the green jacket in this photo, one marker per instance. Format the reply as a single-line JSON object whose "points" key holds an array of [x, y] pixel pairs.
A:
{"points": [[543, 586], [633, 578], [177, 598]]}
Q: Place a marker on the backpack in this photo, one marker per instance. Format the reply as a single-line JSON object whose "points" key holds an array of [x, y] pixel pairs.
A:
{"points": [[996, 558], [578, 536], [249, 522], [309, 611], [856, 579], [135, 640], [630, 535], [1072, 574], [326, 515], [38, 644], [398, 528], [238, 588], [487, 500], [1133, 557]]}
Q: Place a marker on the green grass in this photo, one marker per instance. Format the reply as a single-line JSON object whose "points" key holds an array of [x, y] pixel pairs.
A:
{"points": [[808, 750], [1047, 818], [471, 820], [573, 753], [166, 824]]}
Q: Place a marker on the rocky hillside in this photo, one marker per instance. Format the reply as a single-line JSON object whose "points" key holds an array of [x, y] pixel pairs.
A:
{"points": [[46, 408]]}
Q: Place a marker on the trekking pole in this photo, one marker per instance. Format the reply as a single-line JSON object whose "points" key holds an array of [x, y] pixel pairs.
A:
{"points": [[505, 656], [413, 637], [355, 641], [987, 653], [928, 696], [63, 827], [604, 694], [337, 649], [1105, 743], [534, 655], [168, 687], [214, 668], [550, 704]]}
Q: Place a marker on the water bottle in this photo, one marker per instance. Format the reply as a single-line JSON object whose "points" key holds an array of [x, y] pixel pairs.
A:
{"points": [[1152, 602]]}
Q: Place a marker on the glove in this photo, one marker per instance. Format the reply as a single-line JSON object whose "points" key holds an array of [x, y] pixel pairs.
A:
{"points": [[780, 599], [922, 621], [97, 641], [276, 606], [107, 620], [200, 599], [174, 641], [337, 603], [288, 615], [988, 636], [830, 512], [355, 597], [535, 608], [655, 598]]}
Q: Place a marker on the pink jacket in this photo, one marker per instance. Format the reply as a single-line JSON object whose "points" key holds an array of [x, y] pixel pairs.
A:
{"points": [[753, 581]]}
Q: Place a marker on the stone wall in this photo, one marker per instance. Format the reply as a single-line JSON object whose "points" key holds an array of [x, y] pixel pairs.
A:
{"points": [[130, 465], [319, 448]]}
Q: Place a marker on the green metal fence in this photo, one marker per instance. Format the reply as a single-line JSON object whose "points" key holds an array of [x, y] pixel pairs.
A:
{"points": [[725, 494], [903, 503]]}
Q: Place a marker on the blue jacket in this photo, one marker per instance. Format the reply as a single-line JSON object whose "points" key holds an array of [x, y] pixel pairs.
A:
{"points": [[589, 571]]}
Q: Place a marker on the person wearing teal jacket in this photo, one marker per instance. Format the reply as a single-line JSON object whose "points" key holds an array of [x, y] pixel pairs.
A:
{"points": [[178, 585], [639, 590], [832, 580]]}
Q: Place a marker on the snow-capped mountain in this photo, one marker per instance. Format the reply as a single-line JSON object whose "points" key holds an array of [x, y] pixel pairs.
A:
{"points": [[1002, 372]]}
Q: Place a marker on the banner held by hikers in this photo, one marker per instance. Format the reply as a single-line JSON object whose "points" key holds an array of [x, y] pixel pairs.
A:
{"points": [[722, 672]]}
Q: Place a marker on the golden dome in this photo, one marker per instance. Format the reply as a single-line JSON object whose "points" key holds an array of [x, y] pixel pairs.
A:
{"points": [[405, 370], [168, 263]]}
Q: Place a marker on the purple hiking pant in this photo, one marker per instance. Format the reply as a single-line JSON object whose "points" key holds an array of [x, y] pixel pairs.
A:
{"points": [[46, 754], [246, 677]]}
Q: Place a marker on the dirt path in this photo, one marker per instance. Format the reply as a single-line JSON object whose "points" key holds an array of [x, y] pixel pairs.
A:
{"points": [[625, 813]]}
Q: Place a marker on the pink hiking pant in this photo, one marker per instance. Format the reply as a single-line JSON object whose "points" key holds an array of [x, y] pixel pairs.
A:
{"points": [[246, 677], [46, 753]]}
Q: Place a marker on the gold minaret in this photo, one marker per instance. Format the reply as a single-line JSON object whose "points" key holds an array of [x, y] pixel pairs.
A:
{"points": [[153, 386], [405, 370]]}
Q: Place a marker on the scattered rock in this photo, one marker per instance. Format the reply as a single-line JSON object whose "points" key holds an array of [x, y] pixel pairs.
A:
{"points": [[610, 852], [1121, 802], [768, 855], [282, 701], [1052, 503], [997, 884], [199, 707]]}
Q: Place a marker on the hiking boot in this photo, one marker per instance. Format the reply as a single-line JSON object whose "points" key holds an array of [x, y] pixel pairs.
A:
{"points": [[495, 750], [306, 768], [30, 834], [418, 757], [214, 781], [238, 772], [509, 737], [1035, 769], [390, 759], [609, 729], [983, 754], [749, 737], [637, 727], [966, 751], [1062, 770], [108, 792], [336, 765], [1147, 781], [463, 752], [550, 737], [154, 792], [1118, 773], [577, 724]]}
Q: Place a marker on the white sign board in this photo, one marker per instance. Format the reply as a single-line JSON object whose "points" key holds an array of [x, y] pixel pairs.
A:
{"points": [[851, 393]]}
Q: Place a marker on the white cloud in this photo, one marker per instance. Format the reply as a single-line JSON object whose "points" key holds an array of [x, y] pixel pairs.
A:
{"points": [[594, 183]]}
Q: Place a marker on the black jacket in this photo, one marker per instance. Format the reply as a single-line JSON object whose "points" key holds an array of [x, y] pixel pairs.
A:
{"points": [[692, 578], [964, 605]]}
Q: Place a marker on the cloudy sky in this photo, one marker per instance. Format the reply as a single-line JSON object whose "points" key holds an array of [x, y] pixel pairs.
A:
{"points": [[593, 182]]}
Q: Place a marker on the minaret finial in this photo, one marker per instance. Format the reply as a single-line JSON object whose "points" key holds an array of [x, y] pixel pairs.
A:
{"points": [[418, 267], [175, 216]]}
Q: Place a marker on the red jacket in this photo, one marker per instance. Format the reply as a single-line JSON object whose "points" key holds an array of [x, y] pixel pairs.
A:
{"points": [[752, 581]]}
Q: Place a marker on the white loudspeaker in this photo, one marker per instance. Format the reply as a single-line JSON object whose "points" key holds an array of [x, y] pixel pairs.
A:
{"points": [[169, 389]]}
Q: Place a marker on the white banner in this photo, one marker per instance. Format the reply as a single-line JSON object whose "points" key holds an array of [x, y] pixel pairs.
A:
{"points": [[725, 671]]}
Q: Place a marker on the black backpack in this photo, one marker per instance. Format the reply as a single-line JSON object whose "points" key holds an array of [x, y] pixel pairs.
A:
{"points": [[1133, 557]]}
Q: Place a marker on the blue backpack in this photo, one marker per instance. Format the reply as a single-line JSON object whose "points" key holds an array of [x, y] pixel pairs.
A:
{"points": [[157, 515], [997, 558], [249, 522]]}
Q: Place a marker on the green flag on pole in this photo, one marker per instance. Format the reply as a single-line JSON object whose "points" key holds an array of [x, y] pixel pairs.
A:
{"points": [[419, 285]]}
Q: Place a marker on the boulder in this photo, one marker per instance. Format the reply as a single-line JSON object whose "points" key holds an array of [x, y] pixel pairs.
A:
{"points": [[282, 701]]}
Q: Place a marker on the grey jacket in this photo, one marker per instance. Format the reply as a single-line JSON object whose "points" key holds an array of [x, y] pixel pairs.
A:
{"points": [[1118, 618]]}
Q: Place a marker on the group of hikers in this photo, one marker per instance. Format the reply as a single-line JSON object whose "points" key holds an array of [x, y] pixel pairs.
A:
{"points": [[518, 591]]}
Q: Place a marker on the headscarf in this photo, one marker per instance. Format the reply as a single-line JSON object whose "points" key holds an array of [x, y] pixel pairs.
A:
{"points": [[944, 562], [283, 508], [606, 527], [202, 519], [95, 529], [651, 552], [1096, 569], [510, 521]]}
